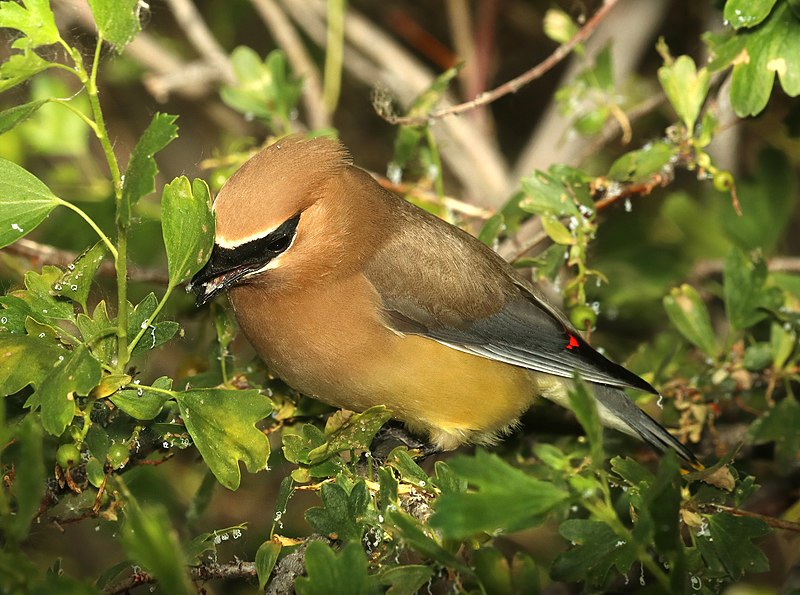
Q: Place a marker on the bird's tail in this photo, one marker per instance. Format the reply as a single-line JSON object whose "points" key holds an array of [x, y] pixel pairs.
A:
{"points": [[616, 410]]}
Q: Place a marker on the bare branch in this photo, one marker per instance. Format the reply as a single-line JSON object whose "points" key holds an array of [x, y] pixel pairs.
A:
{"points": [[40, 254], [517, 83], [200, 36], [236, 570], [375, 58], [289, 41], [710, 268]]}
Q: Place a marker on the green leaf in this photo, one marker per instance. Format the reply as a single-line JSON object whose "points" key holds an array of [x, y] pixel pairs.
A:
{"points": [[20, 67], [51, 131], [99, 333], [24, 202], [222, 424], [150, 540], [492, 229], [157, 334], [285, 491], [546, 195], [95, 472], [266, 556], [33, 18], [422, 539], [639, 166], [597, 549], [767, 199], [773, 47], [25, 360], [39, 297], [342, 515], [29, 478], [557, 231], [688, 313], [493, 571], [780, 425], [525, 575], [507, 499], [142, 168], [447, 480], [263, 90], [77, 374], [686, 88], [117, 20], [583, 403], [744, 289], [356, 432], [409, 471], [76, 282], [298, 442], [188, 227], [404, 580], [747, 13], [332, 574], [558, 25], [730, 541], [409, 138], [141, 402], [19, 113]]}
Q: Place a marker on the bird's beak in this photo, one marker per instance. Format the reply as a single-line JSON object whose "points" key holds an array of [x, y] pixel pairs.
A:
{"points": [[218, 274]]}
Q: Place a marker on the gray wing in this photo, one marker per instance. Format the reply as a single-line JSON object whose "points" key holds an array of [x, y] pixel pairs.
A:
{"points": [[437, 281]]}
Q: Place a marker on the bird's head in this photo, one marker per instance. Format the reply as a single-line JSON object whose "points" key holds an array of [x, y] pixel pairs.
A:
{"points": [[280, 218]]}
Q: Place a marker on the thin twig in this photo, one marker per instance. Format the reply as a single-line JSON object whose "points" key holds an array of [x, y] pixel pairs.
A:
{"points": [[709, 268], [769, 520], [236, 570], [449, 202], [614, 127], [376, 58], [199, 35], [289, 41], [40, 254], [517, 83]]}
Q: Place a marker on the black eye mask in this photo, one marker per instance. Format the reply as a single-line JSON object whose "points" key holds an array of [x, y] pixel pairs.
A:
{"points": [[227, 265]]}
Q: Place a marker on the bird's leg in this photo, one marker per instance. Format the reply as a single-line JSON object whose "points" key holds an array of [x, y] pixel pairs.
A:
{"points": [[394, 434]]}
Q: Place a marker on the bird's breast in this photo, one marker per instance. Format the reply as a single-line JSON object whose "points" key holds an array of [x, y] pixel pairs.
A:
{"points": [[328, 341]]}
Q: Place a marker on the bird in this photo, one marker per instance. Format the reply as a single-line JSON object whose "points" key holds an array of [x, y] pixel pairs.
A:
{"points": [[357, 298]]}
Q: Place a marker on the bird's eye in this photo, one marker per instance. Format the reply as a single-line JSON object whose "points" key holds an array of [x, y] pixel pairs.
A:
{"points": [[280, 244]]}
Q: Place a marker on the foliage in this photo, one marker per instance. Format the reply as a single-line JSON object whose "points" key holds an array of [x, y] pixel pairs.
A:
{"points": [[81, 417]]}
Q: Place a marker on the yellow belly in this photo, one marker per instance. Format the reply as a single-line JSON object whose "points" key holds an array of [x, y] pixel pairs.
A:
{"points": [[326, 346]]}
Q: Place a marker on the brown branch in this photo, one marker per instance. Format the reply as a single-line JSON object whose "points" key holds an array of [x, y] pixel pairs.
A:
{"points": [[40, 254], [199, 35], [449, 202], [604, 192], [238, 569], [769, 520], [286, 37], [377, 59], [710, 268], [614, 127], [517, 83]]}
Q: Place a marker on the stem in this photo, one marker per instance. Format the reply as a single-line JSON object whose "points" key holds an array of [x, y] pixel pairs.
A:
{"points": [[123, 354], [89, 81], [92, 224], [601, 510], [66, 103], [334, 56], [146, 324], [438, 182]]}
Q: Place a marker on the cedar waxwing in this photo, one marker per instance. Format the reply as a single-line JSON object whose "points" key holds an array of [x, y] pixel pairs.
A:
{"points": [[357, 298]]}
